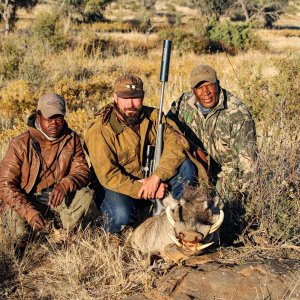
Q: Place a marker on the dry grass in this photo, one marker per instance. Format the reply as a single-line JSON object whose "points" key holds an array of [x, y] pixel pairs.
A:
{"points": [[88, 266]]}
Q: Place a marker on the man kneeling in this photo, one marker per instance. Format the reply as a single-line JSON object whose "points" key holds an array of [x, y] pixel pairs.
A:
{"points": [[43, 174], [117, 143]]}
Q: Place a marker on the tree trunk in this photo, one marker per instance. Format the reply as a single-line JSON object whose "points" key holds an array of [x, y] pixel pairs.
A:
{"points": [[6, 15], [244, 8], [67, 23]]}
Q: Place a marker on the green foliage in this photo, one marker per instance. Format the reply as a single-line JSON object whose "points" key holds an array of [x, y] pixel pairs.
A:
{"points": [[232, 37], [184, 41], [89, 10], [48, 28], [282, 90], [13, 51], [210, 8]]}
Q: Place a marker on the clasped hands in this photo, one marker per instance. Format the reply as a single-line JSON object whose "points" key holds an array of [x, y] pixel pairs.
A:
{"points": [[55, 199], [152, 188]]}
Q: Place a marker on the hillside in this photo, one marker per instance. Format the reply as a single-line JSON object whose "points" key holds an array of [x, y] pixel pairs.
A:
{"points": [[80, 61]]}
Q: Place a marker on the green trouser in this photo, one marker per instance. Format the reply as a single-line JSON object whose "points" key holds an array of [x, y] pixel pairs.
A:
{"points": [[67, 215]]}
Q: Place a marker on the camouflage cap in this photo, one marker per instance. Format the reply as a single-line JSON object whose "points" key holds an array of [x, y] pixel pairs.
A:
{"points": [[51, 104], [202, 73], [129, 86]]}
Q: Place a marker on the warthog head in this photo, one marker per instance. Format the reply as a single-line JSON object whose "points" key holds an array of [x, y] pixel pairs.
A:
{"points": [[194, 219]]}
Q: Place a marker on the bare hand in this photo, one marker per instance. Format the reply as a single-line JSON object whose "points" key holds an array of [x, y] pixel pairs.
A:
{"points": [[57, 196], [37, 223], [149, 187], [162, 190]]}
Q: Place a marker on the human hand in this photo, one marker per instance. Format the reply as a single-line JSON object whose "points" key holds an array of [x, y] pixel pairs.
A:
{"points": [[37, 223], [162, 190], [149, 187], [57, 196]]}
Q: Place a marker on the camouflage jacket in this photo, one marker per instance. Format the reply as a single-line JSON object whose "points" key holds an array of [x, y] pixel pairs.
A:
{"points": [[227, 134], [117, 152]]}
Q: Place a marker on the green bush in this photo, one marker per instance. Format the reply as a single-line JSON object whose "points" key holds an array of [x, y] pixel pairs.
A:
{"points": [[48, 28], [185, 41], [274, 99], [233, 37], [12, 51]]}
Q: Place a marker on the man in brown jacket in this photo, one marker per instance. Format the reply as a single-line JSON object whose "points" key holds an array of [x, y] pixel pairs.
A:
{"points": [[117, 142], [43, 174]]}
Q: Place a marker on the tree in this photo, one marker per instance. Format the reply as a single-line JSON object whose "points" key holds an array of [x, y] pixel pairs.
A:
{"points": [[269, 11], [149, 6], [86, 10], [8, 11], [211, 8]]}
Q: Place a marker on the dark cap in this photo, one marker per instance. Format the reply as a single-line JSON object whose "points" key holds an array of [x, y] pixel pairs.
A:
{"points": [[129, 86], [202, 73], [51, 104]]}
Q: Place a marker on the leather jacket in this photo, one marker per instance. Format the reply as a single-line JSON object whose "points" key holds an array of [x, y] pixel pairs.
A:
{"points": [[20, 169]]}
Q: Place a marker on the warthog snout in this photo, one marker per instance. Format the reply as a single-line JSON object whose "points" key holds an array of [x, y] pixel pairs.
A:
{"points": [[190, 236]]}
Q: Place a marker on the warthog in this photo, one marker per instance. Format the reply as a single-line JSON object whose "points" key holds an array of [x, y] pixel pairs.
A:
{"points": [[191, 224]]}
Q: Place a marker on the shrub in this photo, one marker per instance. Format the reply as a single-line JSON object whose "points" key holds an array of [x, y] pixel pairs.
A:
{"points": [[48, 28], [8, 134], [79, 120], [233, 37], [80, 94], [184, 41], [276, 98], [13, 50], [31, 68], [273, 207], [17, 99]]}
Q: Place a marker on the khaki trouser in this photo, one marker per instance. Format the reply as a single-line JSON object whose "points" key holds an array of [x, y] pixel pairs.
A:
{"points": [[70, 212]]}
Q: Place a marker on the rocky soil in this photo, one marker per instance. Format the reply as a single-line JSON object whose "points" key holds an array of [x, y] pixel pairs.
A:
{"points": [[203, 278]]}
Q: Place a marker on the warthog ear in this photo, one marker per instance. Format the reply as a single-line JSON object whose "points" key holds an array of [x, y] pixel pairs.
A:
{"points": [[170, 201]]}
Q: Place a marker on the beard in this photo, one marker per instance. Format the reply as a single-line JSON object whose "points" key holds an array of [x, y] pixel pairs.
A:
{"points": [[133, 117]]}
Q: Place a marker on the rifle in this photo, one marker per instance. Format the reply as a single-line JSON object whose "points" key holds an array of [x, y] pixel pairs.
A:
{"points": [[153, 155]]}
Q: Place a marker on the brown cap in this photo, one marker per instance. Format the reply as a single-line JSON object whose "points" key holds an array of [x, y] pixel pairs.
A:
{"points": [[129, 86], [51, 104], [202, 73]]}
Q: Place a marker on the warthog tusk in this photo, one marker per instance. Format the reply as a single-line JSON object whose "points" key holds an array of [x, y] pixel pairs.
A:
{"points": [[173, 238], [204, 246], [216, 226], [169, 216]]}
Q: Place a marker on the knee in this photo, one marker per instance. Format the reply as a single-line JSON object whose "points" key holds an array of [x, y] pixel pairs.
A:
{"points": [[188, 170], [118, 211]]}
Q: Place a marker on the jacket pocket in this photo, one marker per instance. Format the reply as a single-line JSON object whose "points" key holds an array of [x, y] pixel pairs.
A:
{"points": [[126, 157]]}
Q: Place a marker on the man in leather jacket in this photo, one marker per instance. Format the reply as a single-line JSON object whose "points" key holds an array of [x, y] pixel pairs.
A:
{"points": [[43, 174]]}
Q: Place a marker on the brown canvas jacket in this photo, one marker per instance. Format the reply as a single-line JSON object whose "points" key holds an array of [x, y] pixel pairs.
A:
{"points": [[117, 152], [20, 169]]}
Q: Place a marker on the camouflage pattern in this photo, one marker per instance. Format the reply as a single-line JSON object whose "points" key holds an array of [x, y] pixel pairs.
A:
{"points": [[227, 134]]}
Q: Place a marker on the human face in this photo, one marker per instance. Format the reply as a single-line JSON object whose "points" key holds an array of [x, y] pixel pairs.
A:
{"points": [[129, 108], [52, 126], [207, 94]]}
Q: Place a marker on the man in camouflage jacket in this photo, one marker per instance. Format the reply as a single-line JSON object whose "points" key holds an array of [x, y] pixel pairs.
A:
{"points": [[117, 142], [220, 124]]}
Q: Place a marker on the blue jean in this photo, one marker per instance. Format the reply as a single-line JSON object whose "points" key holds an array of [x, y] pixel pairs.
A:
{"points": [[120, 209]]}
